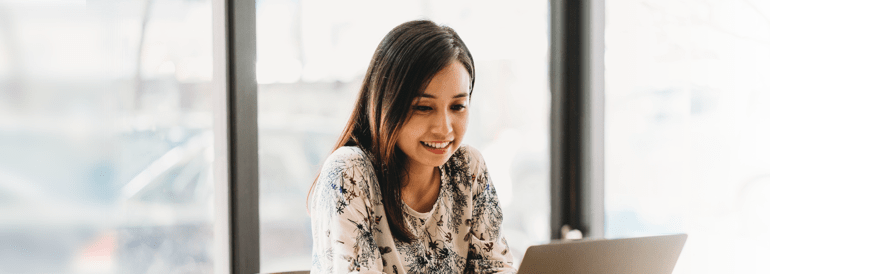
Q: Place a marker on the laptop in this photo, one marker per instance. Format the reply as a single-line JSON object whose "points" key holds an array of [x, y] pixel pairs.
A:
{"points": [[644, 255]]}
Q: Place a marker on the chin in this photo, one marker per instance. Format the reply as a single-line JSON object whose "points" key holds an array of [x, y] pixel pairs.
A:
{"points": [[436, 162]]}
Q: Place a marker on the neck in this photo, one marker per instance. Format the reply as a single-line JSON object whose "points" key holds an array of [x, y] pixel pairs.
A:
{"points": [[421, 188], [421, 176]]}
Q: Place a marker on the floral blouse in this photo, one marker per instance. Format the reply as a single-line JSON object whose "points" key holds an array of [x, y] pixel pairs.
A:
{"points": [[461, 233]]}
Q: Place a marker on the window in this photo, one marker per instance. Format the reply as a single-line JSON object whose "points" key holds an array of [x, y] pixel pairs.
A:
{"points": [[106, 133], [687, 128]]}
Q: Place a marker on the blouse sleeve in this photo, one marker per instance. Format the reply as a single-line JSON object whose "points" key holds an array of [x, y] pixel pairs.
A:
{"points": [[488, 251], [343, 240]]}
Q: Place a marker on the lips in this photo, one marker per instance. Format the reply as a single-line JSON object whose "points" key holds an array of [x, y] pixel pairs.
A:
{"points": [[436, 147]]}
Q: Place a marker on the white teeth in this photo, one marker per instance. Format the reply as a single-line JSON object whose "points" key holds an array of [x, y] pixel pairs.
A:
{"points": [[436, 145]]}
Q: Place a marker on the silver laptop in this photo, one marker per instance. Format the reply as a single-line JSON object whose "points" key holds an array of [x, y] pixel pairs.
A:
{"points": [[645, 255]]}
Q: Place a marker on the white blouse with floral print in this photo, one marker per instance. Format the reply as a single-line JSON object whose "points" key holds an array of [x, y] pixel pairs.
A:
{"points": [[461, 233]]}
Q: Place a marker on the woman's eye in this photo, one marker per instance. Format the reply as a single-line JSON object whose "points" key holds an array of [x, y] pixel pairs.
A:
{"points": [[421, 108], [459, 107]]}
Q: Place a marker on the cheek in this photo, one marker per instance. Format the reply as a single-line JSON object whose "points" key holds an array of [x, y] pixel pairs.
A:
{"points": [[460, 125], [412, 131]]}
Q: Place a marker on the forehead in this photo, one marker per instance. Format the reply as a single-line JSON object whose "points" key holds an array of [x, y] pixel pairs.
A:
{"points": [[453, 81]]}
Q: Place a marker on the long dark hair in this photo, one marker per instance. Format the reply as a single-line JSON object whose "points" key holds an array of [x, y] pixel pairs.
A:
{"points": [[404, 63]]}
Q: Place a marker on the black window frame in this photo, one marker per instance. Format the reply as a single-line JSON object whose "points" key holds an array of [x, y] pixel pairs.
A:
{"points": [[236, 135], [577, 117]]}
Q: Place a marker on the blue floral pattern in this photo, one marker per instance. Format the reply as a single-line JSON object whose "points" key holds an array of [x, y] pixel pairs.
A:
{"points": [[461, 234]]}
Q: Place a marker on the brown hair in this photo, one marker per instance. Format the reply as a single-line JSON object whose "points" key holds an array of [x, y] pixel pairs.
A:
{"points": [[404, 63]]}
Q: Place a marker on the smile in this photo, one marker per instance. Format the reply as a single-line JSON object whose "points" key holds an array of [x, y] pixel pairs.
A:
{"points": [[436, 144], [436, 147]]}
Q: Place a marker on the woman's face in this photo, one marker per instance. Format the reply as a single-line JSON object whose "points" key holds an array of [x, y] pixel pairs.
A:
{"points": [[438, 119]]}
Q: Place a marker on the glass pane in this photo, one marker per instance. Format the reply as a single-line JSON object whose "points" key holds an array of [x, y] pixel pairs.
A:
{"points": [[687, 128], [312, 58], [106, 137]]}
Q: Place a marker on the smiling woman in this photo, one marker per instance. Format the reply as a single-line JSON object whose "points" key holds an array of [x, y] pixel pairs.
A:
{"points": [[441, 211]]}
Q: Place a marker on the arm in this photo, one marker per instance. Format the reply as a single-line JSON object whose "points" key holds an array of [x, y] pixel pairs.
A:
{"points": [[489, 252], [341, 213]]}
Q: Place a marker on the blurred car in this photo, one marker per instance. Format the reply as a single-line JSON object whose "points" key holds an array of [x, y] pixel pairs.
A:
{"points": [[166, 212], [42, 233]]}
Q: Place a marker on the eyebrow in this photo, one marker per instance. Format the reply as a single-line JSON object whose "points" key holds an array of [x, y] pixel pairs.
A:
{"points": [[460, 95]]}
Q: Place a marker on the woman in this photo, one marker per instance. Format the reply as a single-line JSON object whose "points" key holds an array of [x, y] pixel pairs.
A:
{"points": [[400, 193]]}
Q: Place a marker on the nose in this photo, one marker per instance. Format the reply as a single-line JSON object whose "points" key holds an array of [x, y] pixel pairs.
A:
{"points": [[442, 124]]}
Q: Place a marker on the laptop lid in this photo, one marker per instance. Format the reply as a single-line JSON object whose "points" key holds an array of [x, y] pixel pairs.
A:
{"points": [[644, 255]]}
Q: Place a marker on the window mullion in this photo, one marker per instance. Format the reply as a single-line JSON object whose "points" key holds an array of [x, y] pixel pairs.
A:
{"points": [[577, 118], [236, 138]]}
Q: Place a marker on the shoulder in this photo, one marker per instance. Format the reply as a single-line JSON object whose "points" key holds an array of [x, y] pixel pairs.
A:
{"points": [[346, 177], [347, 162], [465, 166], [468, 157], [347, 157], [347, 153], [474, 157]]}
